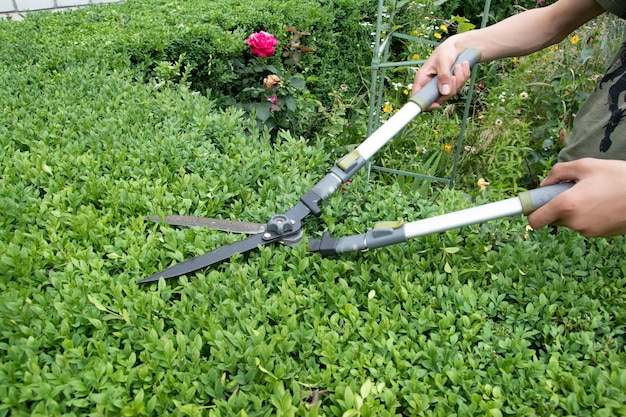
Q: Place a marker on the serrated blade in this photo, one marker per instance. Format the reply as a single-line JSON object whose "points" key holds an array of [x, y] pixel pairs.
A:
{"points": [[211, 223]]}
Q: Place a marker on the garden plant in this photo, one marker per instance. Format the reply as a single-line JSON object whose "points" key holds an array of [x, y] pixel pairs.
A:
{"points": [[112, 113]]}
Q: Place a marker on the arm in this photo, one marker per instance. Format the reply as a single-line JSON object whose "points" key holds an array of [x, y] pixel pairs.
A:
{"points": [[595, 206], [517, 35]]}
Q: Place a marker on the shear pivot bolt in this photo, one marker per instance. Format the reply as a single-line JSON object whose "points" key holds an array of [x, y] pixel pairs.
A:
{"points": [[279, 225]]}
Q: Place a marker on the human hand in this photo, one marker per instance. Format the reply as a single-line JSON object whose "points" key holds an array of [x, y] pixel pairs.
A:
{"points": [[595, 206], [439, 64]]}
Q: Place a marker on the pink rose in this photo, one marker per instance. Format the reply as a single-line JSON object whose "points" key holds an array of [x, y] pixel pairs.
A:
{"points": [[262, 43]]}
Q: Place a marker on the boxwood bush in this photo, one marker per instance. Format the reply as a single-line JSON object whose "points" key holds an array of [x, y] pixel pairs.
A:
{"points": [[491, 319]]}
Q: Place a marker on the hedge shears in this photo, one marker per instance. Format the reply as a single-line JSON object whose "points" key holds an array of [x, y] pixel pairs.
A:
{"points": [[286, 228]]}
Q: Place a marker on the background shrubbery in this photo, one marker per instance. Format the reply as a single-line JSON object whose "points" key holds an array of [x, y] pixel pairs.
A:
{"points": [[112, 113]]}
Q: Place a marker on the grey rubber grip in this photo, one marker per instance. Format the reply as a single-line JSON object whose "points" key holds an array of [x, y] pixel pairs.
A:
{"points": [[428, 94], [533, 199]]}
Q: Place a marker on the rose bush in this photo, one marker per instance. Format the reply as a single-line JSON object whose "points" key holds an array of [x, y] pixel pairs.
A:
{"points": [[262, 43], [270, 87]]}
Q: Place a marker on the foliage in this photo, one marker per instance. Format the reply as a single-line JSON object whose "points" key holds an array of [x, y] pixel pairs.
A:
{"points": [[499, 9], [488, 320], [535, 99], [522, 108]]}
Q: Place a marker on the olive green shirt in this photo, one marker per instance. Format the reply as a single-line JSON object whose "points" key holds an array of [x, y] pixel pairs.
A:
{"points": [[600, 125]]}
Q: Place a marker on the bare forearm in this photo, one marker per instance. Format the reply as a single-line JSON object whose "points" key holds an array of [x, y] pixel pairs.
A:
{"points": [[529, 31]]}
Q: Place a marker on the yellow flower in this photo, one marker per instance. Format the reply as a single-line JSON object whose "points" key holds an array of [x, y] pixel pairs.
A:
{"points": [[482, 184], [528, 230], [574, 39], [405, 92], [415, 32], [447, 148], [387, 108], [444, 28], [415, 57], [437, 35]]}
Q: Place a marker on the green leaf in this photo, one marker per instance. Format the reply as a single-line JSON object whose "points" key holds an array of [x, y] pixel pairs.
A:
{"points": [[297, 83], [93, 300], [366, 388]]}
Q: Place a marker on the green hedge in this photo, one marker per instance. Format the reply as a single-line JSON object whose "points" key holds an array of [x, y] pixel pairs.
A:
{"points": [[142, 34], [487, 320]]}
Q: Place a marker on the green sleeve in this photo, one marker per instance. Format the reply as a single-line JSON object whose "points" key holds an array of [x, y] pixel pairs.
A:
{"points": [[617, 7]]}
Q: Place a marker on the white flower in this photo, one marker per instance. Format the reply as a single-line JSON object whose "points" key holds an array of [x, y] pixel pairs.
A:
{"points": [[498, 122], [523, 95]]}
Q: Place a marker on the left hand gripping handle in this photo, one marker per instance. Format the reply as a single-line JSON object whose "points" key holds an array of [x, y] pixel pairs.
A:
{"points": [[428, 94]]}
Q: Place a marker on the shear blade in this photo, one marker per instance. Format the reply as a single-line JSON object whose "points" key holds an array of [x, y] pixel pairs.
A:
{"points": [[208, 259], [210, 223]]}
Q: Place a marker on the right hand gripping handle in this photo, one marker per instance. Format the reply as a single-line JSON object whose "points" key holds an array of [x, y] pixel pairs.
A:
{"points": [[533, 199], [428, 94]]}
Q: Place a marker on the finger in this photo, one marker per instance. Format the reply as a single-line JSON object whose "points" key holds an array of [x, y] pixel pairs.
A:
{"points": [[548, 214], [565, 171]]}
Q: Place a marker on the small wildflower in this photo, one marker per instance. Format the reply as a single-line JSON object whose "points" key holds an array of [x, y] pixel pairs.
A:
{"points": [[523, 95], [498, 122], [482, 184], [437, 35], [528, 230], [415, 32], [405, 92], [396, 86], [447, 148], [344, 87], [415, 57], [387, 108], [444, 28], [574, 39], [514, 60]]}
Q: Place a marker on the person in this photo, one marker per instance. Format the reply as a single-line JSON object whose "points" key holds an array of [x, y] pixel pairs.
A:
{"points": [[594, 155]]}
